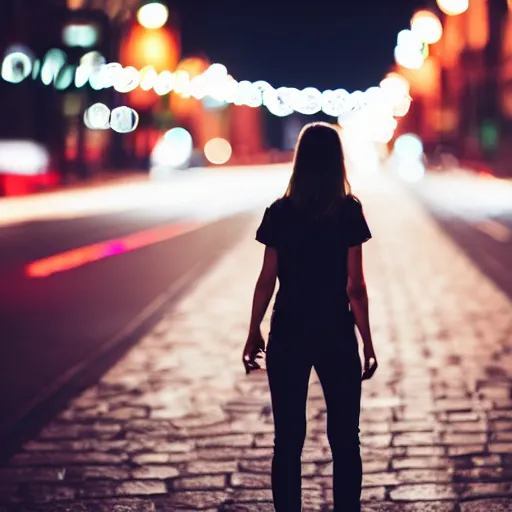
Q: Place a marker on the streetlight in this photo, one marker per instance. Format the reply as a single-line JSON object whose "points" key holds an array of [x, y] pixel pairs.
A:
{"points": [[153, 15], [427, 26], [453, 7]]}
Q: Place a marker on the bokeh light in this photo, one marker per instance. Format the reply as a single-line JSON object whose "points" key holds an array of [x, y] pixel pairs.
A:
{"points": [[127, 80], [148, 77], [84, 36], [36, 69], [334, 102], [65, 77], [453, 7], [186, 107], [147, 69], [124, 119], [408, 146], [110, 73], [92, 59], [53, 62], [16, 66], [97, 117], [426, 26], [308, 101], [395, 85], [164, 83], [402, 107], [409, 58], [159, 48], [172, 151], [23, 157], [407, 157], [153, 15], [217, 151]]}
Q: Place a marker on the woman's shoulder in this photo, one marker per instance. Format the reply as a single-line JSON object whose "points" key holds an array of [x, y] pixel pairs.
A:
{"points": [[352, 203], [352, 200], [279, 205], [280, 202]]}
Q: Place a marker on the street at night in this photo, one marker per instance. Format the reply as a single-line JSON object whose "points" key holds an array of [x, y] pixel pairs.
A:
{"points": [[255, 258], [114, 293], [177, 420]]}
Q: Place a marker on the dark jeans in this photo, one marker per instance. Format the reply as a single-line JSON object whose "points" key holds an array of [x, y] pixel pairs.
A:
{"points": [[338, 366]]}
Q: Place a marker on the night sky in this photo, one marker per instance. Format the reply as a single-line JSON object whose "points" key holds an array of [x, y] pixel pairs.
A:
{"points": [[322, 43]]}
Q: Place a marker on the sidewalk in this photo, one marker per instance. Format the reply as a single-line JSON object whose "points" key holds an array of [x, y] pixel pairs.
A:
{"points": [[177, 425]]}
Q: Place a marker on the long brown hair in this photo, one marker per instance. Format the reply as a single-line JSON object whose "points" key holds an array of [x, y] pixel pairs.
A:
{"points": [[319, 178]]}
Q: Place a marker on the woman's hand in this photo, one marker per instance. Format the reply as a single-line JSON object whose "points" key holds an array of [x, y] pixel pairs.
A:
{"points": [[253, 349], [370, 364]]}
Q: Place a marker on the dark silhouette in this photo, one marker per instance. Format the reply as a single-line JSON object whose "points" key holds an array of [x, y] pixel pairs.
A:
{"points": [[313, 237]]}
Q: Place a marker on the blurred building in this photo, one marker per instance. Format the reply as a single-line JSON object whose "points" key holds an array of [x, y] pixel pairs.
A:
{"points": [[463, 92], [53, 115], [44, 112]]}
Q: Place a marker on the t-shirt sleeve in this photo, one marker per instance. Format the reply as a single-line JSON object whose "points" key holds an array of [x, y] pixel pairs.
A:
{"points": [[358, 231], [267, 232]]}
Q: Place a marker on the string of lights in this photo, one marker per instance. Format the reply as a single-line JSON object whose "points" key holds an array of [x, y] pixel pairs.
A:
{"points": [[215, 83]]}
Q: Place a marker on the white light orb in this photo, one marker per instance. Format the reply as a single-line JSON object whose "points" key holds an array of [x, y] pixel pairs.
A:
{"points": [[248, 95], [334, 103], [148, 78], [82, 75], [426, 26], [164, 83], [275, 102], [172, 151], [395, 84], [453, 7], [401, 108], [92, 59], [16, 66], [355, 104], [153, 15], [308, 101], [127, 79], [124, 119], [97, 117], [110, 73], [408, 147], [96, 79], [396, 88], [409, 58], [217, 151], [378, 101]]}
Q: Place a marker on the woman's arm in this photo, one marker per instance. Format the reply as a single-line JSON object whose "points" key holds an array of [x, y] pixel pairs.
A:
{"points": [[264, 289], [358, 297]]}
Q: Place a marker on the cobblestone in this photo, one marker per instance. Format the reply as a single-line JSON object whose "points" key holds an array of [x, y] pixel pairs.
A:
{"points": [[177, 426]]}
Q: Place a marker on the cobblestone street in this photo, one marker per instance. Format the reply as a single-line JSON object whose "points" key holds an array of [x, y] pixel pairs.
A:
{"points": [[177, 425]]}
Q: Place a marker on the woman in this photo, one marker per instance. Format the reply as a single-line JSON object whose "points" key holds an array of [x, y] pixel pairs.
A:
{"points": [[313, 238]]}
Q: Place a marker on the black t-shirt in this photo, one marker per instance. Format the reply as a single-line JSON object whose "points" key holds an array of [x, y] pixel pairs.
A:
{"points": [[312, 263]]}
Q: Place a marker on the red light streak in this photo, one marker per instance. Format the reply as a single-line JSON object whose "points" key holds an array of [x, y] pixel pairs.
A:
{"points": [[78, 257]]}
